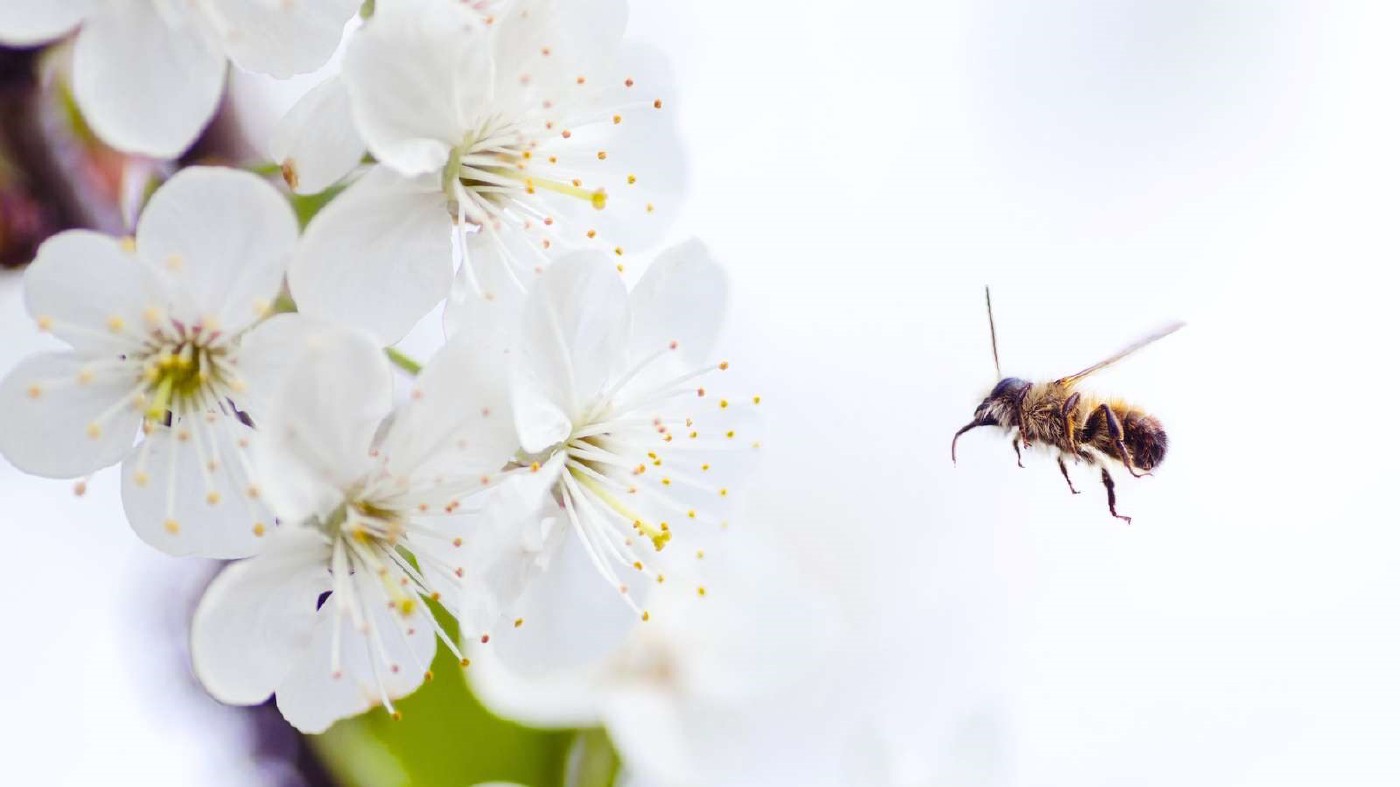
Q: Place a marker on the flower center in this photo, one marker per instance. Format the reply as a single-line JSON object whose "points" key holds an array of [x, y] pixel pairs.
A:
{"points": [[179, 370], [497, 168]]}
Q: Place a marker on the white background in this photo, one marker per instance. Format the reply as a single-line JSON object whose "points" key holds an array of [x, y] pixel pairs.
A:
{"points": [[862, 170]]}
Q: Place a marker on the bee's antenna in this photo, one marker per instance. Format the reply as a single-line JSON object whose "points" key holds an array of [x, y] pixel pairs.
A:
{"points": [[993, 325]]}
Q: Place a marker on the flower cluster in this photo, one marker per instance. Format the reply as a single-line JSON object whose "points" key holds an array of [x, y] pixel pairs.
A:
{"points": [[502, 160]]}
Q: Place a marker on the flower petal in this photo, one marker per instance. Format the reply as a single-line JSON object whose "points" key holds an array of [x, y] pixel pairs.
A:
{"points": [[315, 437], [572, 620], [93, 293], [283, 38], [682, 297], [312, 698], [28, 22], [257, 617], [316, 142], [503, 548], [141, 84], [623, 140], [458, 420], [543, 46], [177, 504], [379, 256], [573, 345], [224, 237], [265, 353], [416, 73], [489, 290], [61, 417]]}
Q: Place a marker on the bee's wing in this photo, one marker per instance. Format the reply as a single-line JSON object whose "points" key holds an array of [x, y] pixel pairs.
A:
{"points": [[1160, 333]]}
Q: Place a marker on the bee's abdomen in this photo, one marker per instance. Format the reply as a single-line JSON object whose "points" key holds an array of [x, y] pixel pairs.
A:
{"points": [[1144, 437]]}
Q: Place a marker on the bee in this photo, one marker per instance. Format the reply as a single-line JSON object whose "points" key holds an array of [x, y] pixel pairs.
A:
{"points": [[1085, 428]]}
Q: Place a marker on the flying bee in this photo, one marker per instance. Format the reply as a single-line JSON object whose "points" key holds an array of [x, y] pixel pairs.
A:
{"points": [[1081, 427]]}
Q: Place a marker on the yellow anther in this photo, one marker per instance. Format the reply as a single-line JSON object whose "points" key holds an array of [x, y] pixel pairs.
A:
{"points": [[128, 244], [259, 529], [212, 498], [406, 606], [94, 430], [690, 513], [45, 323], [35, 391], [116, 324], [700, 591], [519, 622], [84, 377], [631, 180], [534, 467], [174, 262], [602, 155], [729, 434], [723, 403], [617, 119], [723, 492], [699, 554], [172, 527], [645, 616]]}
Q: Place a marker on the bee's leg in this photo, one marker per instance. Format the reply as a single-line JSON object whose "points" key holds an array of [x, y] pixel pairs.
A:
{"points": [[1016, 443], [1064, 471], [1067, 413], [1112, 498], [1115, 432]]}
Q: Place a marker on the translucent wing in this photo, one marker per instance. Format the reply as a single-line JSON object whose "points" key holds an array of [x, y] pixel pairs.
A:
{"points": [[1160, 333]]}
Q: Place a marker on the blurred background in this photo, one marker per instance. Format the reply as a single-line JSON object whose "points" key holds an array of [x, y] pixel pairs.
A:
{"points": [[863, 170]]}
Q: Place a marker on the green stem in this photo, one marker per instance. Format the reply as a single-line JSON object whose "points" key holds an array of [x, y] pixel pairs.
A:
{"points": [[593, 762], [403, 361]]}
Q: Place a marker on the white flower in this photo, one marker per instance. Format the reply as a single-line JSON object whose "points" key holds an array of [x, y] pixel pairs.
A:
{"points": [[148, 74], [717, 689], [378, 513], [609, 400], [163, 343], [533, 132]]}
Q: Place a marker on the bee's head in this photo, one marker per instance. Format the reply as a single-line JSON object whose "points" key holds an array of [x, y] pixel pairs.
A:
{"points": [[1001, 405], [998, 409]]}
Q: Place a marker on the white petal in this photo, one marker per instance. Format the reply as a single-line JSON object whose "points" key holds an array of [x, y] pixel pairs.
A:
{"points": [[312, 699], [574, 344], [643, 171], [178, 505], [458, 420], [313, 441], [316, 142], [504, 548], [682, 297], [267, 350], [650, 733], [415, 75], [61, 419], [489, 290], [143, 85], [553, 670], [27, 22], [92, 292], [224, 237], [572, 619], [282, 38], [257, 617], [378, 257], [580, 36]]}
